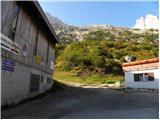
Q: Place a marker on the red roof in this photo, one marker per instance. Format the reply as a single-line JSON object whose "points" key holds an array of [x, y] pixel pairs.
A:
{"points": [[153, 60], [141, 64]]}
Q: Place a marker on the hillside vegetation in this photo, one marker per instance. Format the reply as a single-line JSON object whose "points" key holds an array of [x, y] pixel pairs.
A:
{"points": [[98, 57]]}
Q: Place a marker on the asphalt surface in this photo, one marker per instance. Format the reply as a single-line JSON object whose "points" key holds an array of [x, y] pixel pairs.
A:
{"points": [[88, 103]]}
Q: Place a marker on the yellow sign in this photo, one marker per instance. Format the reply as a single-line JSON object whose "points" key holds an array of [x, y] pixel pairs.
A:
{"points": [[38, 59]]}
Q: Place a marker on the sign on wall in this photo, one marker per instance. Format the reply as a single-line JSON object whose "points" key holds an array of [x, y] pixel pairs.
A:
{"points": [[8, 65], [38, 59], [8, 44]]}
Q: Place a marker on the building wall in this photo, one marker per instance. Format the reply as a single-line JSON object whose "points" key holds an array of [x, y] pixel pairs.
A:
{"points": [[16, 84], [7, 9], [130, 83]]}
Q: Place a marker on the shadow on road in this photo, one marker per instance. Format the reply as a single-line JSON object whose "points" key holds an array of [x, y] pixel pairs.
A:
{"points": [[64, 101]]}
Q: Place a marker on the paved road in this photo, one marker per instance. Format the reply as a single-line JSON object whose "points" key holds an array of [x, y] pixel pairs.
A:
{"points": [[89, 103]]}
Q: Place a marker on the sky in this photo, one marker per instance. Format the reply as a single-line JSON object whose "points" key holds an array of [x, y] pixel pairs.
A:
{"points": [[116, 13]]}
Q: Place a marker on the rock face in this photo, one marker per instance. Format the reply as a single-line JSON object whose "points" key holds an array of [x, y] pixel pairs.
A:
{"points": [[150, 22]]}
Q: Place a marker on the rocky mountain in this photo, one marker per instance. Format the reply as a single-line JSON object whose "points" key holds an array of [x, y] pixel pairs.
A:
{"points": [[149, 22], [69, 33], [63, 31], [57, 23]]}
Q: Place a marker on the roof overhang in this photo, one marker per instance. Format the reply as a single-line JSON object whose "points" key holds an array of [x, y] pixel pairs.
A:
{"points": [[35, 9], [45, 20]]}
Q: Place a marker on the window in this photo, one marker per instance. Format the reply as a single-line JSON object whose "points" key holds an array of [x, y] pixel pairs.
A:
{"points": [[34, 83], [151, 76], [144, 77], [36, 44], [49, 80], [41, 79], [136, 77], [47, 53], [14, 22]]}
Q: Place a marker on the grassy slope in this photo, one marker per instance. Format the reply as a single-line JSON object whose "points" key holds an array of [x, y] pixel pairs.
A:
{"points": [[64, 76], [102, 52]]}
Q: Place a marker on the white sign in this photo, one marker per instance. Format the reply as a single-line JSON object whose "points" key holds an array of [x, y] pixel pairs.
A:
{"points": [[8, 44], [52, 65], [24, 49]]}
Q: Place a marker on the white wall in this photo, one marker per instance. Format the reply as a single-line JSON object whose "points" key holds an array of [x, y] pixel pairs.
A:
{"points": [[130, 83]]}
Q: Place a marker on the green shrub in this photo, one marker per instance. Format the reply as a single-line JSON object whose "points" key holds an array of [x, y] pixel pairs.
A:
{"points": [[104, 51]]}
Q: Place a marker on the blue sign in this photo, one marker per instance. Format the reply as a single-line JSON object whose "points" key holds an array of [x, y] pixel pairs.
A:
{"points": [[7, 68], [8, 65]]}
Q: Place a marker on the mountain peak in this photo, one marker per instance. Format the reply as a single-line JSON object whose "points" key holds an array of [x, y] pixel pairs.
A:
{"points": [[149, 22]]}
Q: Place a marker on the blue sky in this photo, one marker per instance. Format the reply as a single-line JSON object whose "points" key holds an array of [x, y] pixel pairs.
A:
{"points": [[115, 13]]}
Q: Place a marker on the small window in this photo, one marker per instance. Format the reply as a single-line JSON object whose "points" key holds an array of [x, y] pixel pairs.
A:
{"points": [[14, 22], [49, 80], [136, 77], [34, 83], [151, 76], [144, 77], [12, 34], [36, 44], [47, 53], [17, 9], [41, 79]]}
